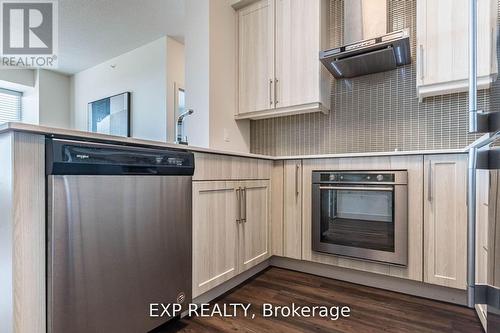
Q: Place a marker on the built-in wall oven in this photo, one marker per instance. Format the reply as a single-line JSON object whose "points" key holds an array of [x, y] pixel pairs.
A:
{"points": [[361, 214]]}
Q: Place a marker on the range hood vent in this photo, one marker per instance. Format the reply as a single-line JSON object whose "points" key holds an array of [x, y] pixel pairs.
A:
{"points": [[369, 48]]}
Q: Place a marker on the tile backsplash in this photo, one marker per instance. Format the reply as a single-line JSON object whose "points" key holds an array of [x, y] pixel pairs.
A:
{"points": [[377, 112]]}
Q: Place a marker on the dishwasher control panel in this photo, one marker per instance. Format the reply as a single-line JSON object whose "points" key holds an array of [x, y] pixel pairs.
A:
{"points": [[82, 157]]}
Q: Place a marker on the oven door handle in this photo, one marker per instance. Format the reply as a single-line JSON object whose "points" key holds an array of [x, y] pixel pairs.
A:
{"points": [[356, 188]]}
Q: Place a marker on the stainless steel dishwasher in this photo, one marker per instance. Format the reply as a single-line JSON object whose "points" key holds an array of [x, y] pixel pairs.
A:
{"points": [[118, 235]]}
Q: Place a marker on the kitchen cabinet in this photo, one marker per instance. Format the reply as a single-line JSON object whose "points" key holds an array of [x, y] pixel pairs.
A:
{"points": [[256, 57], [277, 209], [482, 206], [482, 215], [215, 232], [443, 43], [278, 66], [226, 167], [230, 230], [292, 212], [445, 220], [254, 223]]}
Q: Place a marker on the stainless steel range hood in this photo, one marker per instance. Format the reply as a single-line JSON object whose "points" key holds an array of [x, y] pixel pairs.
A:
{"points": [[368, 47]]}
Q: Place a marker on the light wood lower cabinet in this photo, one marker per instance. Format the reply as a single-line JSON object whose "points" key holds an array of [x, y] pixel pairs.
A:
{"points": [[277, 209], [254, 226], [445, 220], [292, 212], [482, 214], [215, 234], [482, 223], [230, 230]]}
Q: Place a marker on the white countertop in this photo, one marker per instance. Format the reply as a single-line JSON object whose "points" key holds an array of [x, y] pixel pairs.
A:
{"points": [[75, 134]]}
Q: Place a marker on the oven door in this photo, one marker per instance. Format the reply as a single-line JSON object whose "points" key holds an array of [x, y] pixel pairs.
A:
{"points": [[361, 221]]}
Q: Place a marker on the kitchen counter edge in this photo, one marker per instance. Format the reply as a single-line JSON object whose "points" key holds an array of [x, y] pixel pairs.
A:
{"points": [[76, 134]]}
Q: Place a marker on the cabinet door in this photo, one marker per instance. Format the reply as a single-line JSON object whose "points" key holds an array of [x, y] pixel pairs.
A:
{"points": [[482, 215], [254, 229], [215, 250], [256, 57], [482, 203], [292, 214], [445, 220], [442, 44], [297, 49]]}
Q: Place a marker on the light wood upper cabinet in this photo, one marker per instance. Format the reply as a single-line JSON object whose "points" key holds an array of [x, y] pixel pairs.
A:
{"points": [[254, 229], [297, 40], [230, 230], [256, 57], [292, 212], [443, 44], [279, 68], [445, 220], [215, 243]]}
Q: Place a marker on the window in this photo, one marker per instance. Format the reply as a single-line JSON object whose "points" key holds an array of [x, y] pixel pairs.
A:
{"points": [[10, 105]]}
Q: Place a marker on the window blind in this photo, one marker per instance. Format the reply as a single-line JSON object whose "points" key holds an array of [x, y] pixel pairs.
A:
{"points": [[10, 105]]}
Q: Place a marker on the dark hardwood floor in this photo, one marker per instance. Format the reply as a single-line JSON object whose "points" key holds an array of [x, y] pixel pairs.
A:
{"points": [[372, 310]]}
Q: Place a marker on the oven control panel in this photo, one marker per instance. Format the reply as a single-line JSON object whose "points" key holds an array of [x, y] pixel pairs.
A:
{"points": [[385, 177], [357, 177]]}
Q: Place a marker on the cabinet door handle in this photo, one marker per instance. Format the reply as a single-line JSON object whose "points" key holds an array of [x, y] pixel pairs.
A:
{"points": [[296, 179], [238, 203], [244, 203], [429, 182], [421, 49], [270, 92], [275, 92]]}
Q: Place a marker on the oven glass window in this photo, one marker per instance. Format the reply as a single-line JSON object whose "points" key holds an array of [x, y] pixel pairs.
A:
{"points": [[358, 218]]}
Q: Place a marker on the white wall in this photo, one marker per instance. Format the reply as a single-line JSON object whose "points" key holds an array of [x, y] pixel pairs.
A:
{"points": [[25, 81], [196, 41], [45, 98], [225, 132], [54, 99], [30, 106], [25, 77], [211, 76], [142, 72], [175, 76]]}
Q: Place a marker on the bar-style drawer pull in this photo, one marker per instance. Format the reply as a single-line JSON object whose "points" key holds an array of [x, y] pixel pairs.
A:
{"points": [[238, 203], [353, 188], [244, 203], [275, 92], [270, 92], [429, 182], [297, 169], [422, 73]]}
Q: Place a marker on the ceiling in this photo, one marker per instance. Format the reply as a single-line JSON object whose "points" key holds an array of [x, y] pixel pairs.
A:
{"points": [[93, 31]]}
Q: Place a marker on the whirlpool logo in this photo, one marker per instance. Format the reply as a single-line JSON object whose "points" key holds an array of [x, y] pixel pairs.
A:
{"points": [[29, 33]]}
